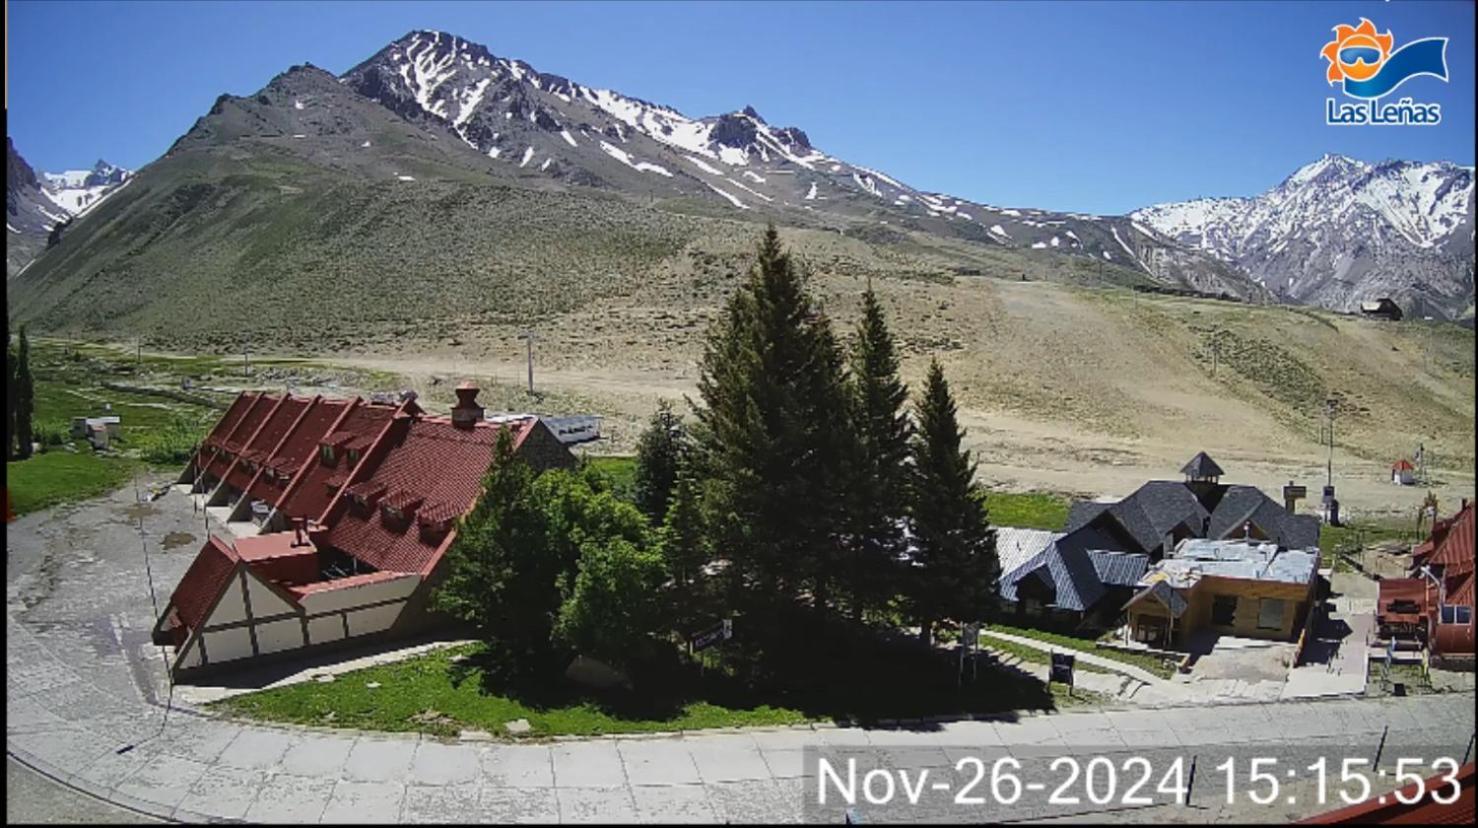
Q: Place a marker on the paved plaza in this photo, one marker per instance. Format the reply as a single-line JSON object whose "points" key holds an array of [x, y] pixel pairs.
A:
{"points": [[84, 684]]}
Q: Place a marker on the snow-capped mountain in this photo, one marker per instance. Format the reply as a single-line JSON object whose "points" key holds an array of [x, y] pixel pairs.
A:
{"points": [[1339, 231], [532, 124], [35, 205], [77, 191]]}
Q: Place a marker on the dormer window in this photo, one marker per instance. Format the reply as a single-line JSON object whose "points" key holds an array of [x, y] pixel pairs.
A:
{"points": [[353, 456], [326, 454]]}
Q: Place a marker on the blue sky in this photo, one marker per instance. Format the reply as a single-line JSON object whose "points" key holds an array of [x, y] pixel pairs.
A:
{"points": [[1095, 107]]}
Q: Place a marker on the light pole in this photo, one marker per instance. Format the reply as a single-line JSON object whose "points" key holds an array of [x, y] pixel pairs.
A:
{"points": [[528, 336]]}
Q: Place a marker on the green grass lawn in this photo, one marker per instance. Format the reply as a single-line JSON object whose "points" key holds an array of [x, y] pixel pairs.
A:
{"points": [[622, 470], [1027, 510], [59, 476], [1151, 663], [1350, 536], [433, 682]]}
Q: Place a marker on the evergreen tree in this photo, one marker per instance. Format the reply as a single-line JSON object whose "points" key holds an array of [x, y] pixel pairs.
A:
{"points": [[499, 578], [771, 437], [684, 548], [879, 480], [25, 398], [957, 567], [657, 456]]}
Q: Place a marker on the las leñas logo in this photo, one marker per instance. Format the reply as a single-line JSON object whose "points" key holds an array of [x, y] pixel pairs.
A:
{"points": [[1362, 60]]}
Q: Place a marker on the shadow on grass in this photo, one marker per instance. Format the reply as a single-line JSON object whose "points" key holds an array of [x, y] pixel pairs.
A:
{"points": [[823, 671]]}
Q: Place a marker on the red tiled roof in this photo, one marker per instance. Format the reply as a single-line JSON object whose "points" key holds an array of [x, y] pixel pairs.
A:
{"points": [[266, 439], [246, 424], [207, 576], [297, 447], [310, 496], [1403, 465], [435, 459], [1455, 551]]}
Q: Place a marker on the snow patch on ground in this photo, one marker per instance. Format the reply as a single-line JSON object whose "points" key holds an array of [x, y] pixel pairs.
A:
{"points": [[1000, 231], [569, 139], [527, 155], [399, 177], [811, 193], [704, 166], [736, 202], [625, 158]]}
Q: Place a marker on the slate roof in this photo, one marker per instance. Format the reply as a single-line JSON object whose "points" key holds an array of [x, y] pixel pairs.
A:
{"points": [[1201, 466], [1122, 569], [1067, 566], [1015, 546], [1160, 507]]}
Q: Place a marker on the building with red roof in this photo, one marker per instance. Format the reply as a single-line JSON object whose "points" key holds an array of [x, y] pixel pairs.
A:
{"points": [[1435, 606], [357, 503], [1403, 473]]}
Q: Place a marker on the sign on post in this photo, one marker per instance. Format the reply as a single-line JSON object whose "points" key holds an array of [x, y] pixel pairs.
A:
{"points": [[722, 631], [1062, 668]]}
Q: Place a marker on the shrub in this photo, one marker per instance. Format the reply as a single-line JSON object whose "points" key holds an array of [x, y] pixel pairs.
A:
{"points": [[171, 444]]}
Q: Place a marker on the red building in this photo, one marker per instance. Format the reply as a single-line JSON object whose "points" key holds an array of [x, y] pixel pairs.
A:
{"points": [[1436, 604], [351, 505]]}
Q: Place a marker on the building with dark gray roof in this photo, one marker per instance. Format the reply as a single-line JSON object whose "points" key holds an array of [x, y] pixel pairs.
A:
{"points": [[1083, 578]]}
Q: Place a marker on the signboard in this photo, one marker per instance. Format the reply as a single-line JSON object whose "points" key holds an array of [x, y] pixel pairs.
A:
{"points": [[722, 631], [1062, 668]]}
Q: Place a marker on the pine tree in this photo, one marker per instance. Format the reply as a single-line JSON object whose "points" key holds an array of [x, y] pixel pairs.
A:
{"points": [[499, 578], [955, 546], [770, 435], [879, 480], [685, 549], [25, 398], [657, 456]]}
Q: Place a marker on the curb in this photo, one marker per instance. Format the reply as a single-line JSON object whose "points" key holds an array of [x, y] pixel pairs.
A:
{"points": [[73, 782]]}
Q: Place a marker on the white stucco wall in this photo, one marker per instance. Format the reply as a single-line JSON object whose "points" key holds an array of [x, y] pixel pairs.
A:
{"points": [[357, 596], [374, 619], [264, 601], [279, 635], [227, 645], [230, 610], [327, 628]]}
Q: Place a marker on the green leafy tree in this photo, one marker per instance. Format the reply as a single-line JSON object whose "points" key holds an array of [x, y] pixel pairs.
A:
{"points": [[771, 435], [657, 455], [614, 612], [878, 485], [499, 577], [956, 568], [25, 398]]}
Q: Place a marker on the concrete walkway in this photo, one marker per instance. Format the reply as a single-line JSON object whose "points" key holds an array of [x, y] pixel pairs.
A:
{"points": [[86, 695], [1130, 670]]}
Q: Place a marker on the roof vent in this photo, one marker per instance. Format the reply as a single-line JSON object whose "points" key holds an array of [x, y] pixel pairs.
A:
{"points": [[466, 412]]}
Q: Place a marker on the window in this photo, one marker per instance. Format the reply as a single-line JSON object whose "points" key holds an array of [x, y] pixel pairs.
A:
{"points": [[1224, 610], [353, 456], [326, 453], [1456, 614], [1270, 614]]}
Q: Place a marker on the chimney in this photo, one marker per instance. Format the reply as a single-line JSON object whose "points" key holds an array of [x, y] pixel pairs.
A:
{"points": [[466, 413]]}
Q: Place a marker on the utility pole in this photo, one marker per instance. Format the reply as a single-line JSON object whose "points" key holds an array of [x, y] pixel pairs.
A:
{"points": [[246, 357], [1329, 468], [528, 337], [1215, 353], [139, 353]]}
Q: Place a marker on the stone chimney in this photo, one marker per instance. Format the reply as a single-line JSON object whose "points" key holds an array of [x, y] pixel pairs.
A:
{"points": [[466, 413]]}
